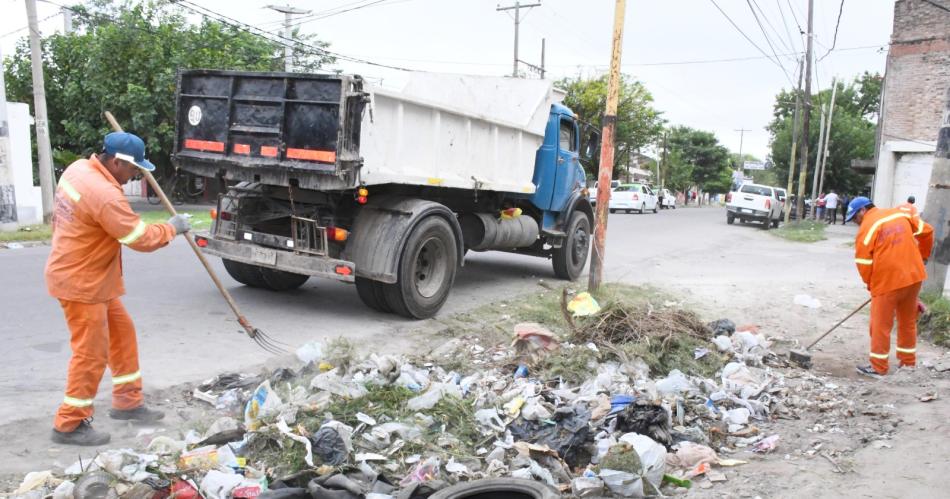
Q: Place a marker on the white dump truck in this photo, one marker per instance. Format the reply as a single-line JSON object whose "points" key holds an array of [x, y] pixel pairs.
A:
{"points": [[386, 188]]}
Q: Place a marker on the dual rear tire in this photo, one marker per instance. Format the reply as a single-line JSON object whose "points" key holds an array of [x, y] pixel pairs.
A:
{"points": [[256, 276]]}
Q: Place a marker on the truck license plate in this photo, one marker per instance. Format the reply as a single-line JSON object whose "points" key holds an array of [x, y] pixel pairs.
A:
{"points": [[264, 255]]}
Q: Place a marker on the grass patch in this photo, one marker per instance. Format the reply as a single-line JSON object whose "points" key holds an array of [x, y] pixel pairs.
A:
{"points": [[807, 231], [201, 220], [39, 232], [935, 324]]}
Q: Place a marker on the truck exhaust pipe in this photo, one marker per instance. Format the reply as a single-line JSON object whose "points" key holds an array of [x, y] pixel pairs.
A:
{"points": [[483, 231]]}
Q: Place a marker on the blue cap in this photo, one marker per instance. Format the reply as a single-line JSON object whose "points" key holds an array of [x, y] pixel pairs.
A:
{"points": [[128, 147], [855, 206]]}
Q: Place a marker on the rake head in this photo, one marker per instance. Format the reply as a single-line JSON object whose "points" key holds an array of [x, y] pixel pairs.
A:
{"points": [[269, 344]]}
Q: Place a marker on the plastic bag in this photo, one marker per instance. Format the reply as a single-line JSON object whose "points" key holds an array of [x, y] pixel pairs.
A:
{"points": [[673, 384], [689, 454], [310, 352], [583, 305], [807, 301], [218, 485], [423, 472], [489, 419], [652, 456], [332, 382], [265, 402], [433, 395]]}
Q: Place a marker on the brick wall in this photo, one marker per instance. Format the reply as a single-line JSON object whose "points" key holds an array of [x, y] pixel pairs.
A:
{"points": [[918, 71]]}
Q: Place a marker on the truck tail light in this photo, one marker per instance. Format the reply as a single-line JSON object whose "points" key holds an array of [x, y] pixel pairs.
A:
{"points": [[226, 216], [768, 204], [343, 270], [337, 234], [729, 197], [201, 242], [636, 198], [214, 214], [362, 195]]}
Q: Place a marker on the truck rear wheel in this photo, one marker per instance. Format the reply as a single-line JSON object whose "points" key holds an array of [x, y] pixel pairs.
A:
{"points": [[730, 218], [426, 270], [569, 260], [372, 294], [261, 277]]}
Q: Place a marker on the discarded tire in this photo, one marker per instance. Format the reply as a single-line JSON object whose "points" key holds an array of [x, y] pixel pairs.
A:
{"points": [[497, 488]]}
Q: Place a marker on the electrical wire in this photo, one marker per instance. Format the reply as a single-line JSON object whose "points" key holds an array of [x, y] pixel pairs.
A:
{"points": [[316, 17], [24, 28], [834, 41], [776, 61], [786, 47], [781, 11], [768, 41]]}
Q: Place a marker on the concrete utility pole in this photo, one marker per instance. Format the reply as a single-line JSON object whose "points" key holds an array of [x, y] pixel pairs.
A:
{"points": [[937, 210], [67, 20], [517, 8], [791, 162], [814, 177], [289, 12], [803, 176], [740, 164], [43, 148], [607, 152], [8, 216], [824, 152]]}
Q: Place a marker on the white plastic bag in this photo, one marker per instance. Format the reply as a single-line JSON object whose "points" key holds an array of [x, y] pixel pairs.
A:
{"points": [[652, 456], [265, 402]]}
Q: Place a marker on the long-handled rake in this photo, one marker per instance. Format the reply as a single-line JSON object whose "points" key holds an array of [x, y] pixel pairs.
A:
{"points": [[269, 344]]}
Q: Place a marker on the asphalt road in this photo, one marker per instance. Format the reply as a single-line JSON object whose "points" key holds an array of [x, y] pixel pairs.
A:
{"points": [[186, 332]]}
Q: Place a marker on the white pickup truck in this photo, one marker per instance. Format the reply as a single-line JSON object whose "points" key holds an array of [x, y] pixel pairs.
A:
{"points": [[754, 202]]}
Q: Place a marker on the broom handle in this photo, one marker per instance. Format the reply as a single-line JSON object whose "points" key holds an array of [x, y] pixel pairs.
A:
{"points": [[838, 324], [191, 241]]}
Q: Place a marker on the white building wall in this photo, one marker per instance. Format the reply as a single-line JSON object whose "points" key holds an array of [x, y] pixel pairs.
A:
{"points": [[29, 201]]}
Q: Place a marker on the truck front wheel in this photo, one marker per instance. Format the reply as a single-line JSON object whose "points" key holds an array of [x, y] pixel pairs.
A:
{"points": [[426, 270], [569, 260]]}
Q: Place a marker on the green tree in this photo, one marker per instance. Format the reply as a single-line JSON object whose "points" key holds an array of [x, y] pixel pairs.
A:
{"points": [[708, 160], [852, 133], [638, 123], [124, 57]]}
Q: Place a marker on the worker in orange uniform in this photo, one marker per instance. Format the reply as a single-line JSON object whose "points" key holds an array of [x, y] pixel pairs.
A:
{"points": [[890, 251], [91, 221], [909, 205]]}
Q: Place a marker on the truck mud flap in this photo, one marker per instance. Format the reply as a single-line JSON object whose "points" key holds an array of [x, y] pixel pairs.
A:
{"points": [[380, 232], [319, 266]]}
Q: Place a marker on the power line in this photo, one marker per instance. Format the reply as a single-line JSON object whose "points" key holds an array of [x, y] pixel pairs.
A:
{"points": [[24, 28], [317, 17], [768, 41], [781, 11], [835, 39], [266, 35], [320, 13], [769, 23], [734, 25]]}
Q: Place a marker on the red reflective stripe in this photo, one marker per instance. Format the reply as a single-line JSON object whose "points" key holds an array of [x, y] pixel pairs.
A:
{"points": [[270, 151], [343, 270], [204, 145], [312, 155], [242, 149]]}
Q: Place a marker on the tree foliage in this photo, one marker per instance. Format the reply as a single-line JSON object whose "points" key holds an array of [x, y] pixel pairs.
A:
{"points": [[696, 158], [124, 57], [638, 123], [851, 137]]}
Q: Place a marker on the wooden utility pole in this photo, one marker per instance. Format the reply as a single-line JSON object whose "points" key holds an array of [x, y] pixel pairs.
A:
{"points": [[517, 8], [43, 148], [607, 152], [791, 162], [803, 176], [824, 152], [741, 164]]}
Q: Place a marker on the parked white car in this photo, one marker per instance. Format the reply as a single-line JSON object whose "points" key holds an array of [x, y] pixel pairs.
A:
{"points": [[633, 197], [592, 191], [754, 202], [668, 199]]}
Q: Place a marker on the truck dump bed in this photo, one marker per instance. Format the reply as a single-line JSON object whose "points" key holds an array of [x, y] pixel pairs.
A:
{"points": [[328, 132]]}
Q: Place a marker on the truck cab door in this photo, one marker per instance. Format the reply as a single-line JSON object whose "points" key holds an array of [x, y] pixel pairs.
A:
{"points": [[568, 163]]}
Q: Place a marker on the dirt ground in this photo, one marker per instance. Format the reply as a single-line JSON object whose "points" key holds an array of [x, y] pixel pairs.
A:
{"points": [[891, 445]]}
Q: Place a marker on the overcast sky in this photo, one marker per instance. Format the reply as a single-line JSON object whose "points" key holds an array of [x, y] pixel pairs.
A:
{"points": [[676, 48]]}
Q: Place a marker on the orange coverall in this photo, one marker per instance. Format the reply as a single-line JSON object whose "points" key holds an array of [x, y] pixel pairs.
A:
{"points": [[909, 208], [91, 221], [890, 250]]}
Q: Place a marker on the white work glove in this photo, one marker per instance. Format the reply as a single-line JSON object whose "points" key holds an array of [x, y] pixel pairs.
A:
{"points": [[180, 223]]}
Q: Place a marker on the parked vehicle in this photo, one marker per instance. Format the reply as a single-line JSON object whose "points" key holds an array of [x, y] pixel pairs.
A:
{"points": [[592, 191], [633, 197], [756, 203], [668, 199], [387, 189]]}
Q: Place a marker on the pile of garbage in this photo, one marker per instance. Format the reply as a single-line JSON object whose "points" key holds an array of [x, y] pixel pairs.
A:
{"points": [[386, 426]]}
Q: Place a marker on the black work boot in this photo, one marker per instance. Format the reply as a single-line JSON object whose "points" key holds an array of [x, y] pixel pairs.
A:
{"points": [[82, 435], [140, 414]]}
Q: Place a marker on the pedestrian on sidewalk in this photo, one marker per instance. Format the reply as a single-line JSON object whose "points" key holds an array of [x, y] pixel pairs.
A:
{"points": [[843, 203], [831, 207], [890, 251], [820, 207], [91, 221]]}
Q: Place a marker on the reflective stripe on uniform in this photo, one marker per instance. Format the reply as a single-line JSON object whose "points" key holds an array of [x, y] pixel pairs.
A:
{"points": [[77, 402], [907, 350], [920, 226], [863, 261], [878, 355], [69, 190], [895, 216], [126, 378], [135, 234]]}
